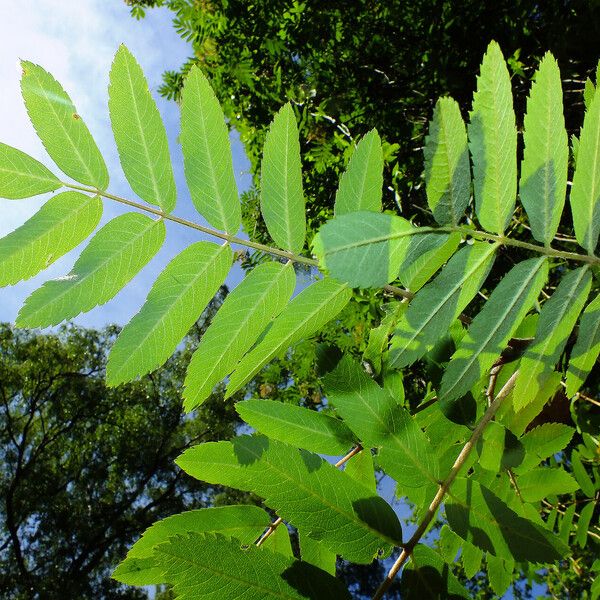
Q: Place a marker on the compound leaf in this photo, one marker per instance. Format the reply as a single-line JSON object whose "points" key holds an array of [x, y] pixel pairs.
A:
{"points": [[312, 308], [544, 168], [247, 310], [435, 307], [542, 442], [60, 225], [140, 133], [112, 258], [297, 426], [281, 197], [62, 131], [492, 328], [447, 168], [493, 143], [405, 453], [361, 184], [21, 176], [207, 157], [302, 488], [176, 300], [541, 482]]}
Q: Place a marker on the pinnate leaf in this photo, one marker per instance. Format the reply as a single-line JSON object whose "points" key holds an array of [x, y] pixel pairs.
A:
{"points": [[60, 225], [492, 328], [281, 197], [557, 319], [297, 426], [207, 157], [140, 133], [112, 258], [62, 131], [541, 482], [586, 349], [361, 184], [405, 453], [247, 310], [447, 168], [21, 176], [542, 442], [493, 143], [478, 516], [544, 168], [302, 488], [176, 300], [312, 308], [435, 307]]}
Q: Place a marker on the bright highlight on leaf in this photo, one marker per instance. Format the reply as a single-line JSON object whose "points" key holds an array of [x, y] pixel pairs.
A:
{"points": [[21, 176], [361, 184], [139, 133], [207, 155], [60, 128], [246, 312], [493, 143], [281, 195], [60, 225], [176, 300], [112, 258]]}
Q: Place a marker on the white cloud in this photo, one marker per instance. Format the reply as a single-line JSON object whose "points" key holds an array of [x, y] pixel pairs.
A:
{"points": [[76, 42]]}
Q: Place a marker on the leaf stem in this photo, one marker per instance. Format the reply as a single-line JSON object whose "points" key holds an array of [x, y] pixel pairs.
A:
{"points": [[445, 486]]}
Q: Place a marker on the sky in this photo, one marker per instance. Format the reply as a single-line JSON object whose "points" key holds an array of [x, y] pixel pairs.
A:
{"points": [[76, 42]]}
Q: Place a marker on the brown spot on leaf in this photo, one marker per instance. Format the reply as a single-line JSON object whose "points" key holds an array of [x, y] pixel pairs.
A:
{"points": [[76, 116]]}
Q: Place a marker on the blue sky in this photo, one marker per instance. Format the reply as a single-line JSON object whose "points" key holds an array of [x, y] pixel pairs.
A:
{"points": [[76, 42]]}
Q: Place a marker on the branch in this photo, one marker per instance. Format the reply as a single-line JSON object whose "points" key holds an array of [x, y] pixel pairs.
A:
{"points": [[445, 486]]}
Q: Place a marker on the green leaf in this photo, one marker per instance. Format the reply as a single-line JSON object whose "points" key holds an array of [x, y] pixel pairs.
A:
{"points": [[176, 300], [586, 349], [378, 336], [297, 426], [542, 442], [585, 192], [211, 567], [252, 305], [566, 523], [435, 307], [449, 544], [140, 133], [471, 557], [499, 449], [581, 475], [281, 195], [112, 258], [583, 524], [493, 143], [312, 308], [542, 482], [21, 176], [361, 184], [492, 327], [207, 154], [363, 249], [316, 554], [427, 576], [405, 453], [482, 519], [60, 225], [447, 168], [62, 131], [302, 488], [499, 573], [245, 523], [589, 90], [362, 469], [557, 319], [424, 256], [543, 183]]}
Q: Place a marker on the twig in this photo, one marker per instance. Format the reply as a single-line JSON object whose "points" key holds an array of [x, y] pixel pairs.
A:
{"points": [[445, 486]]}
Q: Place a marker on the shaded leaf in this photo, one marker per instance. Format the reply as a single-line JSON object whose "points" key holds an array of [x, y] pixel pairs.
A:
{"points": [[140, 133], [281, 197], [583, 524], [581, 475], [112, 258], [316, 554], [176, 300], [207, 157], [62, 131], [60, 225]]}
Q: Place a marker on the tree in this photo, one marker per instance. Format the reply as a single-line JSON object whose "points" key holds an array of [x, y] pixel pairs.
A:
{"points": [[85, 468], [498, 346]]}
